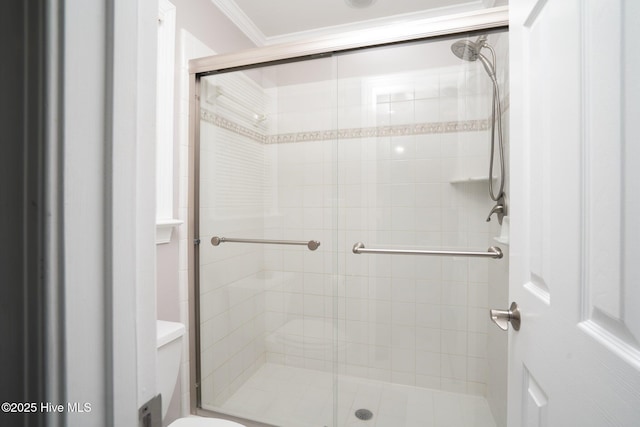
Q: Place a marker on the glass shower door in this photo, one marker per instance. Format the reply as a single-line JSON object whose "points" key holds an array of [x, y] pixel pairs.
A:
{"points": [[266, 281], [387, 148], [413, 157]]}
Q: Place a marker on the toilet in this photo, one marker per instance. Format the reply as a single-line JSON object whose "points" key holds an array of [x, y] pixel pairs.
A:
{"points": [[169, 348]]}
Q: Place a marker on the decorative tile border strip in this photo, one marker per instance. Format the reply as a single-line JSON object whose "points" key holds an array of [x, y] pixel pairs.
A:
{"points": [[227, 124], [351, 133]]}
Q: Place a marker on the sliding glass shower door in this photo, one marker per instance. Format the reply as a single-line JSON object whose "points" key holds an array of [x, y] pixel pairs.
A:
{"points": [[385, 148], [413, 159], [268, 198]]}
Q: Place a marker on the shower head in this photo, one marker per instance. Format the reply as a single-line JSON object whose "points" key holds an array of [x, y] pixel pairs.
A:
{"points": [[466, 49], [470, 51]]}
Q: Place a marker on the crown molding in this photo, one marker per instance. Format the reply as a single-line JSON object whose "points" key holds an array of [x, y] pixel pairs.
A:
{"points": [[375, 23], [241, 20], [232, 11]]}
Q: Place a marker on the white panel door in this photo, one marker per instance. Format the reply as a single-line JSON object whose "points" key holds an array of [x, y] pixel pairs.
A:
{"points": [[575, 213]]}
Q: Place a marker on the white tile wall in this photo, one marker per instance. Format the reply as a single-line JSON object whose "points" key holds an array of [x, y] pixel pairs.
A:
{"points": [[402, 319], [233, 179]]}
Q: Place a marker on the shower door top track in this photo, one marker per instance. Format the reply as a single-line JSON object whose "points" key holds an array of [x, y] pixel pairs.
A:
{"points": [[486, 19]]}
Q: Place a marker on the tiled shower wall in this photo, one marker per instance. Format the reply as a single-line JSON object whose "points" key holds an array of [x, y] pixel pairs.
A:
{"points": [[232, 299], [404, 169], [410, 320]]}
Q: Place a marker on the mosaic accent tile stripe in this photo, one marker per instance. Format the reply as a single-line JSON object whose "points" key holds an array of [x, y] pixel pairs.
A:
{"points": [[223, 123], [351, 133]]}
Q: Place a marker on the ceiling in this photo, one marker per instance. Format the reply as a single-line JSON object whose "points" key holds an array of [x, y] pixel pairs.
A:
{"points": [[275, 21]]}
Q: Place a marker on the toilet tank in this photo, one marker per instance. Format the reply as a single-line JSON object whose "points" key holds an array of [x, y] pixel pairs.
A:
{"points": [[169, 352]]}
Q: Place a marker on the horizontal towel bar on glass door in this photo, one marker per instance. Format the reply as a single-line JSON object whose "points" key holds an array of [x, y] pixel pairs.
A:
{"points": [[492, 252], [311, 244]]}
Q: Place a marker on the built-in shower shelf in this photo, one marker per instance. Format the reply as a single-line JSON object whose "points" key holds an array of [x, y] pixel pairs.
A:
{"points": [[164, 227], [469, 179], [502, 240]]}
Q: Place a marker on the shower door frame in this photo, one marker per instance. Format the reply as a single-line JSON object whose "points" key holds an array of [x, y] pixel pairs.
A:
{"points": [[488, 19]]}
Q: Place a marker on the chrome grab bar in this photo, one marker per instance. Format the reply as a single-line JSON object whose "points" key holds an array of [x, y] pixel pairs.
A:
{"points": [[492, 252], [311, 244]]}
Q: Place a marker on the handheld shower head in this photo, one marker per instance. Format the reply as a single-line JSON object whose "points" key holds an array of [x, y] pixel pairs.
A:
{"points": [[470, 51], [465, 49]]}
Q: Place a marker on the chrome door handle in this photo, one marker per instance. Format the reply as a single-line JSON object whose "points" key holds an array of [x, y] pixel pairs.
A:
{"points": [[502, 318]]}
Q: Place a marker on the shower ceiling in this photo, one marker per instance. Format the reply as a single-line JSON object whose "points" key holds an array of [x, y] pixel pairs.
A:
{"points": [[275, 21]]}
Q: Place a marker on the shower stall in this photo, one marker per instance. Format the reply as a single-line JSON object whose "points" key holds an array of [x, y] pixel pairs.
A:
{"points": [[344, 264]]}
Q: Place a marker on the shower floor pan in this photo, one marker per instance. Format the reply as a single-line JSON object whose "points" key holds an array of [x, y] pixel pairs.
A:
{"points": [[294, 397]]}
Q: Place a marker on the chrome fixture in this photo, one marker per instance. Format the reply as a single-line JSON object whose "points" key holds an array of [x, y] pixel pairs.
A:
{"points": [[492, 252], [502, 318], [500, 209], [364, 414], [312, 245], [471, 51]]}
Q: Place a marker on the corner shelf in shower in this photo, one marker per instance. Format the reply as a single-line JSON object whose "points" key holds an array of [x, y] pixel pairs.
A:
{"points": [[502, 240], [469, 179]]}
